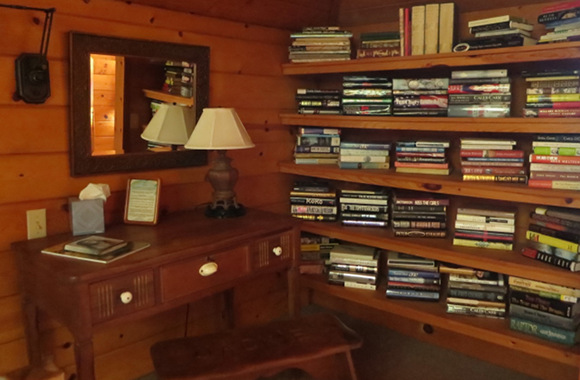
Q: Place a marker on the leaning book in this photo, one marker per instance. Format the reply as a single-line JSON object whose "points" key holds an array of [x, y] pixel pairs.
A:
{"points": [[128, 249]]}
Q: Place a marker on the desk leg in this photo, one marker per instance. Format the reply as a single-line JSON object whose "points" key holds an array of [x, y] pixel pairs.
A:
{"points": [[84, 357], [32, 336], [293, 292]]}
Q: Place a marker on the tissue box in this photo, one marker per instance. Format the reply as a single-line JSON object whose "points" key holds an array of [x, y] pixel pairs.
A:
{"points": [[87, 216]]}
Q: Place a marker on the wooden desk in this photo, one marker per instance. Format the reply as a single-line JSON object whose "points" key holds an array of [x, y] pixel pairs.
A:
{"points": [[86, 296]]}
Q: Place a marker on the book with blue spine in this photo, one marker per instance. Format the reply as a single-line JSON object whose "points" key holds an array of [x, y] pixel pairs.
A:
{"points": [[543, 331]]}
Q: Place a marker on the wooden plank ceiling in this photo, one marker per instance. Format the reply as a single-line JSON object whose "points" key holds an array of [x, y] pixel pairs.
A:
{"points": [[294, 14]]}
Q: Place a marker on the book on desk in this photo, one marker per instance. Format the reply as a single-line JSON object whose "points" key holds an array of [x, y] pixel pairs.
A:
{"points": [[123, 250]]}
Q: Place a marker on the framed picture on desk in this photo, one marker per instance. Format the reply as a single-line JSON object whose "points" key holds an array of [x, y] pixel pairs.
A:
{"points": [[142, 201]]}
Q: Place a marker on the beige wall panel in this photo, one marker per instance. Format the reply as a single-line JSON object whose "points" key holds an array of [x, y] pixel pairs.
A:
{"points": [[10, 319], [13, 356]]}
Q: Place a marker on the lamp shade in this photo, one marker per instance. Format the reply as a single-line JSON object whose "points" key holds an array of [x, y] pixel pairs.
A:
{"points": [[171, 124], [219, 129]]}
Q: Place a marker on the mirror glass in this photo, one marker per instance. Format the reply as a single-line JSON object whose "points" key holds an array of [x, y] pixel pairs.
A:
{"points": [[116, 86]]}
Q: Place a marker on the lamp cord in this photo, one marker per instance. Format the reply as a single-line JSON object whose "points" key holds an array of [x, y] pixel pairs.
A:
{"points": [[47, 23]]}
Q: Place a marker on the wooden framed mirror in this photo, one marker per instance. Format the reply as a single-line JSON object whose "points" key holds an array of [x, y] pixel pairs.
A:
{"points": [[114, 84]]}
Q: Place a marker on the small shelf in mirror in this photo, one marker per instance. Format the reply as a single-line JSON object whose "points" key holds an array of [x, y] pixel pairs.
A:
{"points": [[169, 98]]}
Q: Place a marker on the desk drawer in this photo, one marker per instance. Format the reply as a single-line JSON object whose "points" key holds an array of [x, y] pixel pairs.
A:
{"points": [[185, 278], [122, 295], [272, 251]]}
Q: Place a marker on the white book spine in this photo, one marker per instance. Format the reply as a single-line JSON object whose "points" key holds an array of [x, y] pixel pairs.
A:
{"points": [[418, 30], [491, 73], [446, 27], [490, 227], [432, 28]]}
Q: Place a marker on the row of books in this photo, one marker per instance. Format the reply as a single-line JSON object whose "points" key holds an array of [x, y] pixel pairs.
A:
{"points": [[555, 164], [547, 311], [366, 95], [379, 44], [416, 215], [552, 93], [479, 93], [484, 228], [178, 78], [422, 156], [492, 160], [427, 28]]}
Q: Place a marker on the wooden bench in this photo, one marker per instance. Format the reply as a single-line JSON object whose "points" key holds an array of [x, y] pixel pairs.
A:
{"points": [[319, 344]]}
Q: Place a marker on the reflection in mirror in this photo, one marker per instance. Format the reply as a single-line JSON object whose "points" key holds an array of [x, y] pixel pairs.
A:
{"points": [[116, 87]]}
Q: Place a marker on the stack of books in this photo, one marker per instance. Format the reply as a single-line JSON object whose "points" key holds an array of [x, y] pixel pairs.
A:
{"points": [[420, 97], [354, 155], [552, 93], [313, 201], [479, 93], [563, 19], [96, 248], [412, 277], [367, 208], [554, 237], [493, 160], [379, 44], [495, 32], [367, 95], [316, 145], [315, 252], [427, 28], [420, 163], [314, 101], [354, 266], [554, 162], [476, 293], [484, 228], [419, 215], [320, 44], [179, 78], [547, 311]]}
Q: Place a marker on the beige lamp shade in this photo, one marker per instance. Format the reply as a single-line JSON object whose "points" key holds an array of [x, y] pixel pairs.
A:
{"points": [[219, 129], [171, 124]]}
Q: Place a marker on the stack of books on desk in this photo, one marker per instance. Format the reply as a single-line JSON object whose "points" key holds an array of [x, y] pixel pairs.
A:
{"points": [[552, 93], [320, 44], [96, 248], [492, 160], [547, 311], [554, 237], [355, 155], [484, 228], [354, 266], [317, 146], [313, 201], [412, 277], [476, 293], [419, 215], [555, 162], [417, 156], [367, 95], [479, 93], [367, 208], [420, 96]]}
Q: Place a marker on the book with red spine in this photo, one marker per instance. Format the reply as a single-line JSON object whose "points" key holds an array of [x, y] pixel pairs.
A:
{"points": [[491, 153], [430, 165], [478, 88], [554, 184], [564, 160]]}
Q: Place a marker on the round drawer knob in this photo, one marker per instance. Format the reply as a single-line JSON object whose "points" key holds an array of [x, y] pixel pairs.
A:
{"points": [[208, 269], [277, 251], [126, 297]]}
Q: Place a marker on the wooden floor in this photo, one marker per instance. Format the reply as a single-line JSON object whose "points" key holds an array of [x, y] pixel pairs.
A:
{"points": [[388, 355]]}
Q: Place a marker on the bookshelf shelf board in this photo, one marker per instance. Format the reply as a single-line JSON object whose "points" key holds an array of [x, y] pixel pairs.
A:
{"points": [[495, 331], [486, 57], [452, 184], [168, 98], [438, 124], [507, 262]]}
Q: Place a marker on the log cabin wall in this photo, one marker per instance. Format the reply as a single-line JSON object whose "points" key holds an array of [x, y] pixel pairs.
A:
{"points": [[34, 163]]}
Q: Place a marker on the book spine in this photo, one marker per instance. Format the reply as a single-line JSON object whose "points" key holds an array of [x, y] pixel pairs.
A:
{"points": [[351, 276], [476, 310], [402, 34], [353, 284], [417, 294], [488, 27], [544, 286], [317, 149], [559, 213], [572, 237], [478, 110], [543, 331], [363, 208], [354, 268], [489, 227], [492, 170], [415, 280], [376, 52], [420, 233], [531, 98], [475, 294], [492, 20], [446, 27], [557, 112], [555, 159], [307, 209], [478, 88], [491, 153], [482, 244], [552, 90], [554, 184], [496, 178], [420, 101], [431, 28], [488, 43], [364, 223], [545, 318], [317, 194], [556, 151], [418, 30], [313, 201], [408, 36], [413, 273], [421, 202], [479, 98], [537, 167], [565, 14], [573, 266], [547, 305], [556, 220], [560, 6], [553, 241], [418, 224]]}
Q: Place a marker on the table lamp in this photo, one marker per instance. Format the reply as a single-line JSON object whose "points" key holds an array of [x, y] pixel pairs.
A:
{"points": [[221, 129], [171, 125]]}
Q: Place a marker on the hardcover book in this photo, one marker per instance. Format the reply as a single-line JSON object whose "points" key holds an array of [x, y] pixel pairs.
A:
{"points": [[128, 249], [95, 245]]}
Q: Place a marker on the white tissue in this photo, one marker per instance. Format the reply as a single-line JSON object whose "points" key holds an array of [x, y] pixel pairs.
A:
{"points": [[95, 191]]}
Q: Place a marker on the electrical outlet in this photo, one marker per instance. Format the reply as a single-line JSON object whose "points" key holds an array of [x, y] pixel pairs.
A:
{"points": [[36, 223]]}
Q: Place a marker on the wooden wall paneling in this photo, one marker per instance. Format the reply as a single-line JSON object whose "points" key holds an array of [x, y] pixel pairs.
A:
{"points": [[10, 319], [280, 13], [262, 190], [13, 356]]}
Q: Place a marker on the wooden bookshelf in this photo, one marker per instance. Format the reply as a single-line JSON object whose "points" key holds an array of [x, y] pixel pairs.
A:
{"points": [[169, 98]]}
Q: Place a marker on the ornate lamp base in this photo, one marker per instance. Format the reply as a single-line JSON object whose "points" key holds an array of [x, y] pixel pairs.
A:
{"points": [[221, 212], [223, 177]]}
